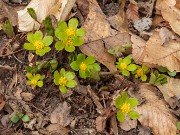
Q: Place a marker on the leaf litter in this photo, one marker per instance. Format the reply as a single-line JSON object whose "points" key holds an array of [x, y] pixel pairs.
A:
{"points": [[154, 35]]}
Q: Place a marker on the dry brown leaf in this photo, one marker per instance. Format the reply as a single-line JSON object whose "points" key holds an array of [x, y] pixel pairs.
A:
{"points": [[2, 102], [170, 13], [128, 124], [154, 53], [154, 112], [57, 129], [61, 115], [98, 50], [43, 8], [166, 35], [132, 12], [96, 24], [100, 123], [171, 89], [27, 96]]}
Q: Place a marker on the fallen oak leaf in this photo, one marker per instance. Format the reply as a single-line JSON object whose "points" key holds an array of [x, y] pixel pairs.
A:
{"points": [[153, 53], [132, 12], [154, 112], [170, 13]]}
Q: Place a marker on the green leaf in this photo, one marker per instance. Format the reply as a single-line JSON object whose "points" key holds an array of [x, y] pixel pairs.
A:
{"points": [[37, 77], [90, 60], [40, 83], [132, 67], [54, 64], [63, 71], [62, 25], [20, 114], [82, 74], [69, 75], [47, 40], [38, 35], [8, 28], [63, 89], [32, 13], [46, 49], [172, 73], [48, 26], [178, 125], [61, 35], [152, 78], [30, 37], [120, 116], [133, 115], [145, 68], [29, 76], [25, 118], [40, 52], [144, 78], [69, 48], [71, 83], [80, 32], [78, 41], [74, 66], [96, 66], [127, 60], [162, 69], [80, 58], [118, 102], [56, 77], [14, 119], [59, 45], [125, 72], [29, 46], [133, 102], [73, 23]]}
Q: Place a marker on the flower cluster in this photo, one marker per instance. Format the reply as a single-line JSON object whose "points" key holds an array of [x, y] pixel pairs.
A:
{"points": [[69, 35]]}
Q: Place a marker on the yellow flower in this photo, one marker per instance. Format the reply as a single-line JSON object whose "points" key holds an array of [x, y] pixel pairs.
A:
{"points": [[39, 45], [63, 81], [126, 108], [83, 66], [70, 32], [123, 65], [33, 82], [69, 41], [140, 72]]}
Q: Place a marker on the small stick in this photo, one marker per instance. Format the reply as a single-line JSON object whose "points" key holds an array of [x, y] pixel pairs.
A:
{"points": [[11, 53]]}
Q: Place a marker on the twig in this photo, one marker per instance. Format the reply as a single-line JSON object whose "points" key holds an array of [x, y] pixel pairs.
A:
{"points": [[7, 68], [108, 73], [39, 109], [11, 53], [95, 98]]}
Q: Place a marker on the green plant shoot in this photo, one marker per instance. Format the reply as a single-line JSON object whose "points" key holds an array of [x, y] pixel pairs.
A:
{"points": [[141, 72], [35, 80], [69, 35], [65, 80], [126, 107], [85, 66], [125, 65], [19, 116], [8, 28], [38, 43], [157, 79]]}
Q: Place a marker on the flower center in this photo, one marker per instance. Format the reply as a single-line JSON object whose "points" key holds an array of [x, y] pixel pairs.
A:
{"points": [[126, 108], [140, 72], [33, 82], [38, 45], [70, 32], [123, 65], [63, 81], [69, 41], [83, 66]]}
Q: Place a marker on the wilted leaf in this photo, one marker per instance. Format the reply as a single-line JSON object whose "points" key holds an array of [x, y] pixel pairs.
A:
{"points": [[166, 35], [96, 24], [98, 50], [27, 96], [154, 112], [43, 8], [61, 115], [171, 89], [170, 13], [132, 12], [57, 129], [154, 53]]}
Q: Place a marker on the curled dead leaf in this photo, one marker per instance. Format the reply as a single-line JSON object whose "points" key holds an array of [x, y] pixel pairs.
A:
{"points": [[154, 112], [170, 13], [153, 53]]}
